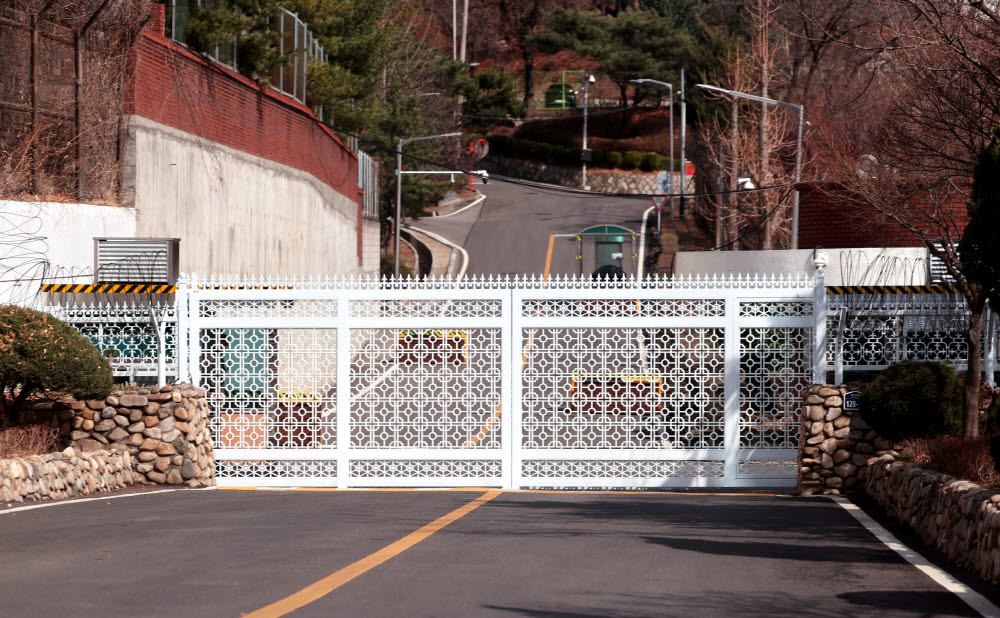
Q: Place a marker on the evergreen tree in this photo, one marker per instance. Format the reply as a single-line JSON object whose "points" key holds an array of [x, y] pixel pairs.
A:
{"points": [[979, 249]]}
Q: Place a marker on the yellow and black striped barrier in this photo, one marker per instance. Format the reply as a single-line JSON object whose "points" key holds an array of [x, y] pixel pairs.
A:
{"points": [[892, 289], [109, 288]]}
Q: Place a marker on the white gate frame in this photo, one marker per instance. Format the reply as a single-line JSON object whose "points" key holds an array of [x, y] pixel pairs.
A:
{"points": [[512, 325]]}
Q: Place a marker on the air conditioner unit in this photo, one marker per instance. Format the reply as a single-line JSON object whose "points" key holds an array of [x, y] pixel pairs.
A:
{"points": [[136, 260]]}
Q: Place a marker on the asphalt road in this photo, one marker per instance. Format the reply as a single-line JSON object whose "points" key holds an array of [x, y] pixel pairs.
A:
{"points": [[226, 553], [509, 232]]}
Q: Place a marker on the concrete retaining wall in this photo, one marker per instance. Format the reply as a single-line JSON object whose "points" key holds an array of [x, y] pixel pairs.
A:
{"points": [[237, 213]]}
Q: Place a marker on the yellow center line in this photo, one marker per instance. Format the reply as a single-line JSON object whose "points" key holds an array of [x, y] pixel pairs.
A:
{"points": [[495, 417], [328, 584], [548, 256]]}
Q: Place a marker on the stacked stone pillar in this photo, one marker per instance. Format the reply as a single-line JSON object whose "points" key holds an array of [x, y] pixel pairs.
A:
{"points": [[836, 445]]}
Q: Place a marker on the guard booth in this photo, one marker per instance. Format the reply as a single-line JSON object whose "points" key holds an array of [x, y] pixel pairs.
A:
{"points": [[605, 246]]}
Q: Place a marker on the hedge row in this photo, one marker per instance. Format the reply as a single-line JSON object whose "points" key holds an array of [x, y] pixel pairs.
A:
{"points": [[564, 155]]}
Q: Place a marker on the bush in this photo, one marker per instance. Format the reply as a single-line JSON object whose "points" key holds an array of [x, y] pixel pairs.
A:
{"points": [[650, 161], [499, 144], [565, 154], [965, 458], [598, 158], [631, 160], [27, 441], [521, 148], [613, 159], [40, 353], [913, 400]]}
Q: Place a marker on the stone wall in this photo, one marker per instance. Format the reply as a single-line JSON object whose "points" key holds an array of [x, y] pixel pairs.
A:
{"points": [[65, 475], [164, 430], [836, 444], [959, 518], [598, 179]]}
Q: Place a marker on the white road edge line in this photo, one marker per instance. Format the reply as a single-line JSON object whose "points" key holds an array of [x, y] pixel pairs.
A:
{"points": [[474, 202], [32, 507], [642, 242], [971, 598]]}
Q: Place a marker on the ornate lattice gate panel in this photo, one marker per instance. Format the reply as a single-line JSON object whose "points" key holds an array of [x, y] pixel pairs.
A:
{"points": [[515, 384], [661, 386]]}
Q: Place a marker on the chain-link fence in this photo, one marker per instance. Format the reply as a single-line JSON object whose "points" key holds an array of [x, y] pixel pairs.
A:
{"points": [[296, 43]]}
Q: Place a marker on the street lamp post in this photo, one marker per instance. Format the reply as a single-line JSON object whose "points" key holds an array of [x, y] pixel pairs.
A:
{"points": [[399, 187], [800, 111], [670, 90], [587, 80]]}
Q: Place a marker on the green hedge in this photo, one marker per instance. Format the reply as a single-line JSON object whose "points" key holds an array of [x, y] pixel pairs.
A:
{"points": [[913, 399], [556, 153]]}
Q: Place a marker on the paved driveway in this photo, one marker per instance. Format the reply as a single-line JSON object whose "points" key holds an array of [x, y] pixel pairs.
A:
{"points": [[509, 232], [228, 553]]}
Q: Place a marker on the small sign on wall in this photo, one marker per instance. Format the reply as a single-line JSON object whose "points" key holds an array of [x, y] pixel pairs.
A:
{"points": [[852, 401]]}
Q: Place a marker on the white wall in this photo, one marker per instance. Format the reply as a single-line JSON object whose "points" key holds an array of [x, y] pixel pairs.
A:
{"points": [[370, 248], [235, 213], [55, 240], [868, 266]]}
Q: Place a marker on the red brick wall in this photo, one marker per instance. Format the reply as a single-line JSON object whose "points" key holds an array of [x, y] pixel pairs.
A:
{"points": [[826, 221], [180, 89]]}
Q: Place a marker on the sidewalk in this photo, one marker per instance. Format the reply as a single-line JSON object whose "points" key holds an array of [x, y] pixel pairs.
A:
{"points": [[446, 260]]}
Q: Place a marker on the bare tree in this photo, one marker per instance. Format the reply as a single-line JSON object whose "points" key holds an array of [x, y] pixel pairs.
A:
{"points": [[753, 142], [933, 103]]}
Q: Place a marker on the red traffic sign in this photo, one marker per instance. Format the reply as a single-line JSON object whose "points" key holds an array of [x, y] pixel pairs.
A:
{"points": [[659, 201]]}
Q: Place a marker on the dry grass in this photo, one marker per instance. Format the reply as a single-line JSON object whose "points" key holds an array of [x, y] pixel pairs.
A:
{"points": [[964, 458], [27, 440]]}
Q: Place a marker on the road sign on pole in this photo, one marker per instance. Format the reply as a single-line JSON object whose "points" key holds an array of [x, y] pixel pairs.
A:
{"points": [[665, 182], [658, 202]]}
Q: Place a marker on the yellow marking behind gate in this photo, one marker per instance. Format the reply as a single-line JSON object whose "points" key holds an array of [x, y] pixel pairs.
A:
{"points": [[328, 584]]}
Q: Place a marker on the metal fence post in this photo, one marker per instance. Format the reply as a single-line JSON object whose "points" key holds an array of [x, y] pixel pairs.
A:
{"points": [[193, 373], [731, 386], [510, 408], [181, 311], [819, 315], [343, 418], [990, 361]]}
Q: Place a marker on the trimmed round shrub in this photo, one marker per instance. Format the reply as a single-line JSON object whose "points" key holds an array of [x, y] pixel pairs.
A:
{"points": [[913, 399], [499, 144], [631, 160], [650, 162], [542, 152], [565, 154], [598, 158], [613, 159], [521, 147], [41, 353]]}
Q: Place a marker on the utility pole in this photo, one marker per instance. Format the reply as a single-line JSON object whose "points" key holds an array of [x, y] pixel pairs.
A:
{"points": [[587, 80], [399, 188], [800, 115], [683, 140], [465, 29], [454, 29]]}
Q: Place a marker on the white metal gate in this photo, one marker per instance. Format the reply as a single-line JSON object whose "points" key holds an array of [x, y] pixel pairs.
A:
{"points": [[566, 383]]}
